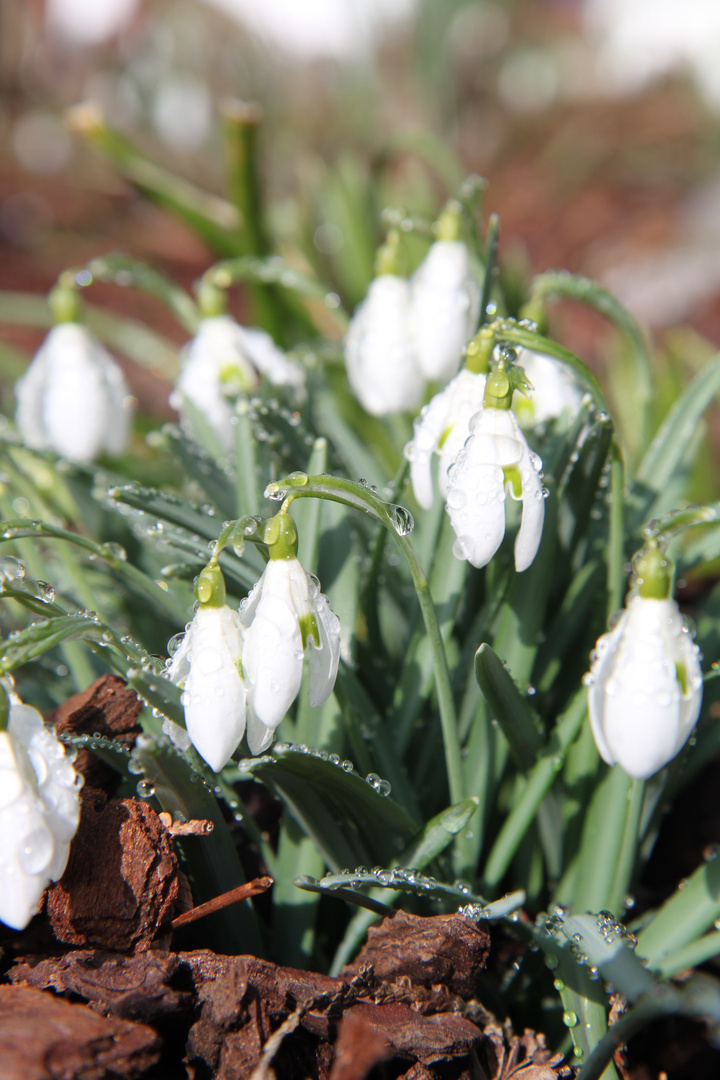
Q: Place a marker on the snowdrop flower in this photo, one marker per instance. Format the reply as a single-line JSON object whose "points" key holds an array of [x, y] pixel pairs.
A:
{"points": [[645, 683], [555, 389], [496, 458], [207, 665], [285, 616], [445, 300], [39, 811], [442, 428], [223, 360], [73, 398], [380, 354]]}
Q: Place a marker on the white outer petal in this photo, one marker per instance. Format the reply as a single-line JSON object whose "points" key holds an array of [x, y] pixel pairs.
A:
{"points": [[476, 485], [325, 659], [214, 695], [259, 736], [638, 713], [445, 305], [270, 361], [604, 656], [273, 650], [379, 353], [218, 347], [39, 812], [73, 398], [529, 534], [555, 387], [452, 408]]}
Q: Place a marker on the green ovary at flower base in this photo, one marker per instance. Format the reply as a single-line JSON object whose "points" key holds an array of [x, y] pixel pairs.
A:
{"points": [[645, 681]]}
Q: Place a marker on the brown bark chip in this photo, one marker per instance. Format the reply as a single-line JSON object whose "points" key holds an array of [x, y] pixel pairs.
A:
{"points": [[358, 1049], [147, 986], [121, 880], [111, 709], [446, 950], [45, 1038]]}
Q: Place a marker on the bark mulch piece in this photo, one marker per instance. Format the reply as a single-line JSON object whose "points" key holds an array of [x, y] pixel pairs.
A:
{"points": [[228, 1016], [254, 1015], [150, 986], [45, 1038], [446, 950], [108, 708], [122, 878]]}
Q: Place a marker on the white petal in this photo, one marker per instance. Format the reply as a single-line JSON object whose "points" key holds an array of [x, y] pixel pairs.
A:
{"points": [[73, 398], [556, 389], [270, 361], [213, 365], [379, 352], [639, 715], [179, 668], [445, 305], [324, 660], [214, 695], [273, 651], [445, 420], [38, 815], [529, 534], [476, 505], [259, 736], [601, 671]]}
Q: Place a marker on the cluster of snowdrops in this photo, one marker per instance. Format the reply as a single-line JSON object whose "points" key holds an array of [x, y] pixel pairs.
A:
{"points": [[412, 339]]}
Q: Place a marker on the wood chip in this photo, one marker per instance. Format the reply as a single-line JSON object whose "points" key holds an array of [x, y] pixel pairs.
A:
{"points": [[45, 1038], [121, 881]]}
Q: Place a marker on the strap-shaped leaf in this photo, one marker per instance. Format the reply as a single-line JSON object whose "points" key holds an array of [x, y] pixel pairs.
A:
{"points": [[534, 789], [684, 917], [672, 441], [518, 721]]}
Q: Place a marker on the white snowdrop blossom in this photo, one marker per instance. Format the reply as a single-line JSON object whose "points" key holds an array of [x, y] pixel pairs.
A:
{"points": [[207, 665], [39, 812], [73, 398], [495, 459], [380, 356], [445, 302], [442, 428], [645, 685], [555, 389], [223, 360], [285, 616]]}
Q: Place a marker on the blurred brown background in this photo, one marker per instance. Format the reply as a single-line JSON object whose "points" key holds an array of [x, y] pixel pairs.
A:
{"points": [[595, 122]]}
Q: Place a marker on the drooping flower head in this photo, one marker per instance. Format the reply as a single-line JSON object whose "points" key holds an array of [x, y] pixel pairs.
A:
{"points": [[495, 460], [222, 361], [645, 681], [73, 398], [445, 300], [39, 809], [380, 355], [285, 617], [443, 426], [207, 665]]}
